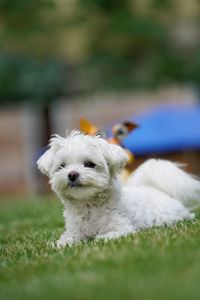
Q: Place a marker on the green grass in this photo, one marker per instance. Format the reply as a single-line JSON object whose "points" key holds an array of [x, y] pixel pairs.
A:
{"points": [[161, 263]]}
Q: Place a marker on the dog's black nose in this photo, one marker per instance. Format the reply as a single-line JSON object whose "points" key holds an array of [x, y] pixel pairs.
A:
{"points": [[73, 175]]}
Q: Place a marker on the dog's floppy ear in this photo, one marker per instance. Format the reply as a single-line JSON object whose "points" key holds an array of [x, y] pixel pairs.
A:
{"points": [[115, 156], [45, 162]]}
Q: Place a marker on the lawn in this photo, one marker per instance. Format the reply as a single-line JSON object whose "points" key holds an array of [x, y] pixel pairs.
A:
{"points": [[160, 263]]}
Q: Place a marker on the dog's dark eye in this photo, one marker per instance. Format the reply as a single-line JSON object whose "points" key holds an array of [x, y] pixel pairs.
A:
{"points": [[62, 166], [89, 164]]}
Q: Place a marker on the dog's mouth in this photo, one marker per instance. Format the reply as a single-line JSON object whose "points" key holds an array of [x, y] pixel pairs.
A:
{"points": [[74, 184]]}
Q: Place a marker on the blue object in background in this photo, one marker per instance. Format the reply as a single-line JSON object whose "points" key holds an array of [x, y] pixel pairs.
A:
{"points": [[165, 129]]}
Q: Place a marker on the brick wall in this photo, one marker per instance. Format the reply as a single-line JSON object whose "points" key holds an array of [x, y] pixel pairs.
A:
{"points": [[11, 151]]}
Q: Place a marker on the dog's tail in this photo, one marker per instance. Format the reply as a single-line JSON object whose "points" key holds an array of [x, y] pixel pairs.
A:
{"points": [[169, 178]]}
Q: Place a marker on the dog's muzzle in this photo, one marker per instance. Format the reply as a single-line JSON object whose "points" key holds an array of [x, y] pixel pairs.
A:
{"points": [[73, 177]]}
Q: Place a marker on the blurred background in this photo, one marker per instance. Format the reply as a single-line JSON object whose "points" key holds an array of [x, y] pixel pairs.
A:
{"points": [[103, 60]]}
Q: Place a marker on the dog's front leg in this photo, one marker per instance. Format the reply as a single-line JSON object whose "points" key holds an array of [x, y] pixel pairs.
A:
{"points": [[113, 234], [116, 229], [68, 239]]}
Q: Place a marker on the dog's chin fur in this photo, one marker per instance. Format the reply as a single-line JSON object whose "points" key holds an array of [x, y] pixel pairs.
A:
{"points": [[97, 206]]}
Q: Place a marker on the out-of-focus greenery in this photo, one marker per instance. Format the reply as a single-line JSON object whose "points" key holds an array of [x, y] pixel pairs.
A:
{"points": [[24, 76], [137, 47], [28, 79], [111, 44]]}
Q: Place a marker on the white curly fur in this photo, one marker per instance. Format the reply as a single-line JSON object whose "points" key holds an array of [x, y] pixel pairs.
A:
{"points": [[97, 206]]}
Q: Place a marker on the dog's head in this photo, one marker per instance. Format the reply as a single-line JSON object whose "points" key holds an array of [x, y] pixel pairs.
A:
{"points": [[79, 166]]}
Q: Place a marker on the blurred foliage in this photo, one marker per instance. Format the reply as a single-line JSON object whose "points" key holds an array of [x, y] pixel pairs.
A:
{"points": [[126, 44], [134, 48], [26, 79], [23, 15], [23, 77]]}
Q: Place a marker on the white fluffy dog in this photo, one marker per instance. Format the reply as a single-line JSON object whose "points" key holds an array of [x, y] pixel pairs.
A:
{"points": [[84, 173]]}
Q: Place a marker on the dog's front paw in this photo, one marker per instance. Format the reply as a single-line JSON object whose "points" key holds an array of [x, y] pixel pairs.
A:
{"points": [[64, 242], [110, 235]]}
